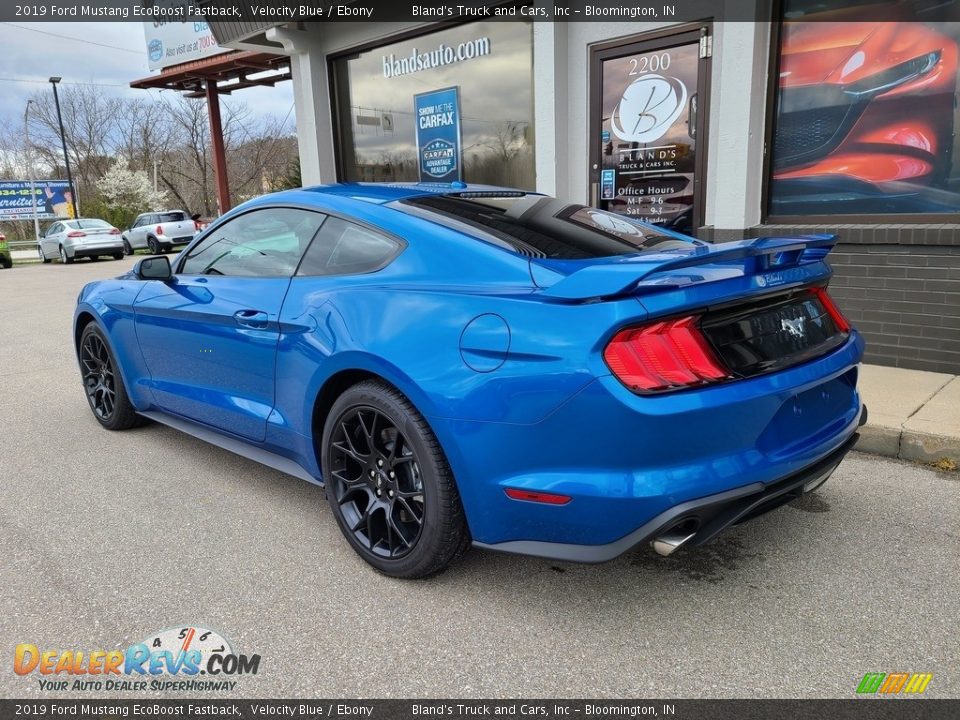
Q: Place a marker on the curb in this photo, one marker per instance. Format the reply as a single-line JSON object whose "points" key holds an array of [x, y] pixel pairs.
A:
{"points": [[908, 444]]}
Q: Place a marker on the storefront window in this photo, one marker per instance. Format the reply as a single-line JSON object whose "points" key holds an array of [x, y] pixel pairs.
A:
{"points": [[452, 105], [866, 110]]}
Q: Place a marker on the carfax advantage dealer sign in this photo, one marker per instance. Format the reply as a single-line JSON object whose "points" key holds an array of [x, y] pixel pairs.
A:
{"points": [[437, 115]]}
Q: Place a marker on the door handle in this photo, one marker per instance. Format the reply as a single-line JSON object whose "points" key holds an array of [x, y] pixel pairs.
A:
{"points": [[251, 318]]}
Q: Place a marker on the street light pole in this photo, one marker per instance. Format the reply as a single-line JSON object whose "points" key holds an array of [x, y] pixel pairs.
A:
{"points": [[63, 140], [33, 185]]}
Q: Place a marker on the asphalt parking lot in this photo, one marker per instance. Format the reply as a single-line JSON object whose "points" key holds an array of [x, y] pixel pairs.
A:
{"points": [[106, 538]]}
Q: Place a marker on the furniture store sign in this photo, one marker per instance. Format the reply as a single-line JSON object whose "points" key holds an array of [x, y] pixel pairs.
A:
{"points": [[439, 148]]}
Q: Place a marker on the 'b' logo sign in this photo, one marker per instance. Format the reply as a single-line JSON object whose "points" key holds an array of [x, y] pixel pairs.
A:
{"points": [[648, 107]]}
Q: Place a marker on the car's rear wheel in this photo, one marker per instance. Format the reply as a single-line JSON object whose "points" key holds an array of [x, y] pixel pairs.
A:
{"points": [[118, 256], [64, 258], [154, 247], [102, 382], [6, 261], [389, 483]]}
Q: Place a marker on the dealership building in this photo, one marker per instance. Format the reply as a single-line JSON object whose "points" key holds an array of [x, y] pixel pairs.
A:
{"points": [[841, 123]]}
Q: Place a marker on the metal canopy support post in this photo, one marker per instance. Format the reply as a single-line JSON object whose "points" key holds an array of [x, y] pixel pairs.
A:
{"points": [[219, 155]]}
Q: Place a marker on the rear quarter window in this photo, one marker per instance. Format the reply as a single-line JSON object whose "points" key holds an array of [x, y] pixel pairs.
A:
{"points": [[345, 248]]}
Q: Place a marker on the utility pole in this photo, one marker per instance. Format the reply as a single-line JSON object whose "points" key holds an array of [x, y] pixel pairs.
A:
{"points": [[33, 185], [63, 141]]}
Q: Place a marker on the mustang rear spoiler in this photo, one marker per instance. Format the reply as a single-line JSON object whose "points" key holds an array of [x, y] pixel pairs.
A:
{"points": [[623, 278]]}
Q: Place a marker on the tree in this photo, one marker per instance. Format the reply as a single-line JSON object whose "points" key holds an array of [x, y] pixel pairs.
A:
{"points": [[126, 193]]}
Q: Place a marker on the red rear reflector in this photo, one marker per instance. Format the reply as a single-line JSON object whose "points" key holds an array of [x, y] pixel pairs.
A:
{"points": [[159, 230], [539, 497], [843, 325], [76, 233], [666, 355]]}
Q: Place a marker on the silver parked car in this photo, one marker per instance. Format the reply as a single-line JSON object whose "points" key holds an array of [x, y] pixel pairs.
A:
{"points": [[83, 237], [159, 231]]}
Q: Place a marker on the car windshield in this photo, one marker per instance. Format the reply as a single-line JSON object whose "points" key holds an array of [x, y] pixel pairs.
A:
{"points": [[86, 224], [173, 217], [540, 226]]}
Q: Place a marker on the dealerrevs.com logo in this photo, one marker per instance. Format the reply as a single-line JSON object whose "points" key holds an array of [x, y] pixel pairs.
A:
{"points": [[188, 658]]}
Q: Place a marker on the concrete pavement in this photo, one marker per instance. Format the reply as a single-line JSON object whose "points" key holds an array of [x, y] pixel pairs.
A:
{"points": [[913, 415]]}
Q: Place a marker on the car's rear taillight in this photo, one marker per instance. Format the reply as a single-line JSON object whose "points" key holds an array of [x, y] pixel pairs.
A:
{"points": [[114, 231], [159, 230], [665, 355], [843, 325], [76, 234]]}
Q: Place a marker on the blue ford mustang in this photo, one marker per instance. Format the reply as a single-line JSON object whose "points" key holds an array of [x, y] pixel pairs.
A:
{"points": [[465, 364]]}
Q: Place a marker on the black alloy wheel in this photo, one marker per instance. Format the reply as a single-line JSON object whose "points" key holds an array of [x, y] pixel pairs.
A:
{"points": [[154, 247], [102, 383], [99, 380], [389, 484], [377, 482]]}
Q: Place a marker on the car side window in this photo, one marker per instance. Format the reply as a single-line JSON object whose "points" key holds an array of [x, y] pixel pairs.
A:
{"points": [[345, 248], [260, 243], [54, 229]]}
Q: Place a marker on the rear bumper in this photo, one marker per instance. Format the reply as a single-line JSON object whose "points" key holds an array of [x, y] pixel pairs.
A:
{"points": [[174, 241], [696, 521], [110, 248], [625, 460]]}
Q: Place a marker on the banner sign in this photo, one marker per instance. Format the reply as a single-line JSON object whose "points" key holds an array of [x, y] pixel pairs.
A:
{"points": [[53, 200], [171, 42], [437, 114]]}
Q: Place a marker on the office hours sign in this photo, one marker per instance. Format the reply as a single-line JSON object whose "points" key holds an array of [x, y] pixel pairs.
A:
{"points": [[439, 147], [648, 135]]}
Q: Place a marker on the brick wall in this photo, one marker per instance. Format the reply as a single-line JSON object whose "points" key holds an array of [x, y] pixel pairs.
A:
{"points": [[905, 299], [900, 286]]}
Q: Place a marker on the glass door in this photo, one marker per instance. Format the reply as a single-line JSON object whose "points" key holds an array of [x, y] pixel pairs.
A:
{"points": [[648, 128]]}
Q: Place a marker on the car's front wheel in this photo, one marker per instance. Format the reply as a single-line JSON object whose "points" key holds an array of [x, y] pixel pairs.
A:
{"points": [[127, 249], [102, 382], [389, 483], [43, 258]]}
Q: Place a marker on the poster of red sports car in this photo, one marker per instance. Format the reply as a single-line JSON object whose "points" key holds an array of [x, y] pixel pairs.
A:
{"points": [[866, 110]]}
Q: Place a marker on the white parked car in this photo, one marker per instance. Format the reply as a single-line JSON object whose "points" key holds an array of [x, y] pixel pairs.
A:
{"points": [[83, 237], [159, 231]]}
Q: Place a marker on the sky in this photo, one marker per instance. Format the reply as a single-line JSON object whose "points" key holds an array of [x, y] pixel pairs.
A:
{"points": [[107, 54]]}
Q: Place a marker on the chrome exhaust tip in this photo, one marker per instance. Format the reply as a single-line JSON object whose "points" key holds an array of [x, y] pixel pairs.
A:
{"points": [[678, 535]]}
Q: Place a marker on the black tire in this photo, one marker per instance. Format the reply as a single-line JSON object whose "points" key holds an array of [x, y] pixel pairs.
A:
{"points": [[127, 249], [64, 258], [6, 262], [153, 245], [118, 256], [43, 258], [422, 472], [102, 382]]}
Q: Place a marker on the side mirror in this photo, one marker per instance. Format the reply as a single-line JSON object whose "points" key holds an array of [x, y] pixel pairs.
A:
{"points": [[153, 268]]}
